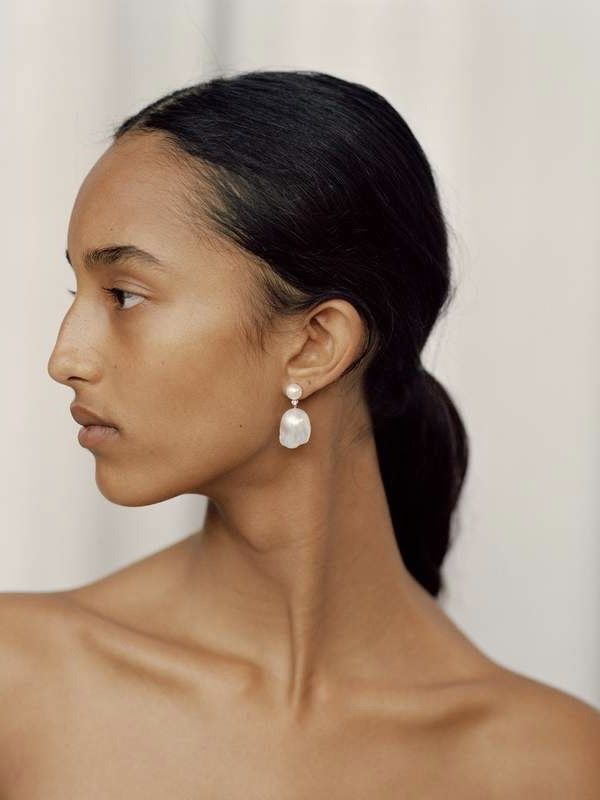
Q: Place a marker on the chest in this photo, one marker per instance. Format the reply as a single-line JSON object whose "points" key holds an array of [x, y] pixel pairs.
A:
{"points": [[162, 748]]}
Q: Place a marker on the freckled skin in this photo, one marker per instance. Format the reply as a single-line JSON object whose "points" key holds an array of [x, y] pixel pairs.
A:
{"points": [[282, 650]]}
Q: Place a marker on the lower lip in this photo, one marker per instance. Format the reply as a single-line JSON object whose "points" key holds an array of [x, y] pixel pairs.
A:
{"points": [[92, 435]]}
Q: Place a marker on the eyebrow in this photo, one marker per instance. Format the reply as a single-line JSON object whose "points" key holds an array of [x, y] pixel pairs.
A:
{"points": [[117, 253]]}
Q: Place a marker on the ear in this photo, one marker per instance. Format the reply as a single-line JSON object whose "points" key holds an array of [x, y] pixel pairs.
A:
{"points": [[330, 338]]}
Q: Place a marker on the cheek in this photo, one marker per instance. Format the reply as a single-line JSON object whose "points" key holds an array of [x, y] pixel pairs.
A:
{"points": [[205, 394], [196, 405], [216, 422]]}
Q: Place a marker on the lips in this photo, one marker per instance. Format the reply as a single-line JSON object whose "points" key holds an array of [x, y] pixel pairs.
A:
{"points": [[85, 416]]}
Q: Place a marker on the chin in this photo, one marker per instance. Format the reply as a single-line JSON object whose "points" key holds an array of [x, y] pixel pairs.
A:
{"points": [[129, 490]]}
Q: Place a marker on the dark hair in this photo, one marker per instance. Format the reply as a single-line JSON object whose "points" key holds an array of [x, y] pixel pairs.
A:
{"points": [[324, 183]]}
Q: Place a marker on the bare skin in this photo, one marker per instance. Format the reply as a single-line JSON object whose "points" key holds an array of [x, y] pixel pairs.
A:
{"points": [[283, 650]]}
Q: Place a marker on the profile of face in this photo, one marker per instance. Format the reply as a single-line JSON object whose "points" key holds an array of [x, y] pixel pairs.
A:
{"points": [[163, 357]]}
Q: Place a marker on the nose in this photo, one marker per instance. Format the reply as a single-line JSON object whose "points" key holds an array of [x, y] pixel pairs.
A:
{"points": [[72, 355]]}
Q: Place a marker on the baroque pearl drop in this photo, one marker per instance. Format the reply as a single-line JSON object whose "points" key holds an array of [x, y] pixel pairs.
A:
{"points": [[294, 428]]}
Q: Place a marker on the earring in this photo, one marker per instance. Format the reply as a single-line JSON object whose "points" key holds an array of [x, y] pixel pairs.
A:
{"points": [[294, 428]]}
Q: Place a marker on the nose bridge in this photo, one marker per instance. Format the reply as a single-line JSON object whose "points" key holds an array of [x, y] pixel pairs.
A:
{"points": [[74, 353]]}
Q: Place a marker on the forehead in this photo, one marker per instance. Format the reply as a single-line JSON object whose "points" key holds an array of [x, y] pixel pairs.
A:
{"points": [[135, 191], [138, 193]]}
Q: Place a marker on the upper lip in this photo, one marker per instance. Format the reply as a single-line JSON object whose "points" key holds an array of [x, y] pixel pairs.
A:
{"points": [[84, 416]]}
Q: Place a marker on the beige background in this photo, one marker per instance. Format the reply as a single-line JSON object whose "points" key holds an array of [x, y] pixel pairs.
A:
{"points": [[504, 99]]}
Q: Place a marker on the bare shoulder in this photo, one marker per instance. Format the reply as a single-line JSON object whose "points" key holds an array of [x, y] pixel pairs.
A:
{"points": [[30, 624], [539, 742], [33, 635], [33, 646]]}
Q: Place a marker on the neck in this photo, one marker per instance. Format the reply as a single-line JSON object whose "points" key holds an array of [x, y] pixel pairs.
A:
{"points": [[301, 576]]}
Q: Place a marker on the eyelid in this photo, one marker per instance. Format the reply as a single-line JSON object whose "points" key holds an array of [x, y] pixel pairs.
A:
{"points": [[114, 291]]}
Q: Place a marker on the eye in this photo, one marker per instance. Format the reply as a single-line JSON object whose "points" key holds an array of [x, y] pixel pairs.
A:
{"points": [[116, 293]]}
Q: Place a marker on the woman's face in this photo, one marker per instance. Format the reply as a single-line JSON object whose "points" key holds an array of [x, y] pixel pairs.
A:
{"points": [[164, 358]]}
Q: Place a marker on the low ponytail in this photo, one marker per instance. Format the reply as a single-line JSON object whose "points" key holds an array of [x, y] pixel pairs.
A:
{"points": [[423, 456]]}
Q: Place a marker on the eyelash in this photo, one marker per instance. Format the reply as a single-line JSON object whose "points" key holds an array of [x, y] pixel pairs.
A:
{"points": [[114, 293]]}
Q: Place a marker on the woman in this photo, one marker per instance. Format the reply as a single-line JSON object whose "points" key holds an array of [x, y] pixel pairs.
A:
{"points": [[260, 260]]}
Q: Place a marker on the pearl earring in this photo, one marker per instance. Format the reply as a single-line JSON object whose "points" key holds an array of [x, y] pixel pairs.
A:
{"points": [[294, 428]]}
